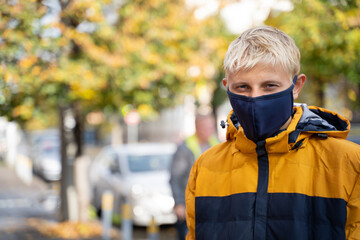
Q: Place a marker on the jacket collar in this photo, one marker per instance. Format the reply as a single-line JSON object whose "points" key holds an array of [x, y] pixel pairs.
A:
{"points": [[306, 121]]}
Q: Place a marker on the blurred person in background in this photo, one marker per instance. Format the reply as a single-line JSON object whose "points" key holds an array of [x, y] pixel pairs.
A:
{"points": [[285, 171], [186, 154]]}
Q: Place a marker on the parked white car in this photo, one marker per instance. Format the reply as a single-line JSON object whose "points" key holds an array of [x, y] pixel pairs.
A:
{"points": [[46, 154], [137, 174]]}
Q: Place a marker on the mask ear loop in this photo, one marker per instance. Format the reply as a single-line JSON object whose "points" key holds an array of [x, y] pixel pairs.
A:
{"points": [[294, 80]]}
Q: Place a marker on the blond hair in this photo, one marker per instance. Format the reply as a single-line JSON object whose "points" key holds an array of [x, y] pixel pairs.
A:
{"points": [[265, 45]]}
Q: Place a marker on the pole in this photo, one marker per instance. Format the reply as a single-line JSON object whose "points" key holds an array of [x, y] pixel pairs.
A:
{"points": [[126, 224], [132, 133], [153, 230], [107, 204]]}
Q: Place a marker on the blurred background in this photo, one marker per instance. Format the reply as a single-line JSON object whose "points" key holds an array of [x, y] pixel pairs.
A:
{"points": [[85, 84]]}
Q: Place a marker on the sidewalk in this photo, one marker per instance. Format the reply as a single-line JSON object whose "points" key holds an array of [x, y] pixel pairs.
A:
{"points": [[27, 212]]}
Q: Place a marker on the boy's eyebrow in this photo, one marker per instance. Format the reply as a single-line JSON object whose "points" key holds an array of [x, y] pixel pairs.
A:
{"points": [[241, 82], [272, 81], [262, 82]]}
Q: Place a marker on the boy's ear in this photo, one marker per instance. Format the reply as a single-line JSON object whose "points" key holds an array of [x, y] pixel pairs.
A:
{"points": [[224, 81], [301, 78]]}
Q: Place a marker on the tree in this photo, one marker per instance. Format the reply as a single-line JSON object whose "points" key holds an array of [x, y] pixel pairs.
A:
{"points": [[101, 55], [328, 39], [24, 57]]}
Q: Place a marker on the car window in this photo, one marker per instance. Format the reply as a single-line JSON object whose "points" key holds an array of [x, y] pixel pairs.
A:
{"points": [[110, 162], [114, 163], [149, 163], [105, 161]]}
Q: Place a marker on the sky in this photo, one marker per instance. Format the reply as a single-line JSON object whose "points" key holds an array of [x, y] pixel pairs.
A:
{"points": [[238, 16], [241, 14]]}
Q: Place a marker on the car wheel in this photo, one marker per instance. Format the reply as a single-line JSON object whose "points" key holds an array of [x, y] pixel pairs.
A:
{"points": [[98, 212], [97, 202]]}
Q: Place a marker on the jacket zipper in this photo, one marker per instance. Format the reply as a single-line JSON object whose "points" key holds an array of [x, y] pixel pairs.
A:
{"points": [[261, 201]]}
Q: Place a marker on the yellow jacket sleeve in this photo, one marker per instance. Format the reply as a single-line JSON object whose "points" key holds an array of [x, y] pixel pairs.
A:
{"points": [[190, 202], [352, 227]]}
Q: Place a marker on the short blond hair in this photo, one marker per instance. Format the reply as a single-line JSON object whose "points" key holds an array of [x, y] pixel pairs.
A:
{"points": [[266, 45]]}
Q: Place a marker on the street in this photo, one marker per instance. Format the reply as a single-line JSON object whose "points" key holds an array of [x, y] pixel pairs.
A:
{"points": [[20, 202], [30, 212]]}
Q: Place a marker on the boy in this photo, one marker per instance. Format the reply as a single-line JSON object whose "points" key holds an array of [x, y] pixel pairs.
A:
{"points": [[285, 171]]}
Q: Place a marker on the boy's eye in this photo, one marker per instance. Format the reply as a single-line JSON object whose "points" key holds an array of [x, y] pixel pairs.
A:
{"points": [[243, 86], [271, 85]]}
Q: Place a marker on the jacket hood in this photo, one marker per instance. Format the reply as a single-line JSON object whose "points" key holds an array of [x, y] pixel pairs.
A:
{"points": [[307, 121]]}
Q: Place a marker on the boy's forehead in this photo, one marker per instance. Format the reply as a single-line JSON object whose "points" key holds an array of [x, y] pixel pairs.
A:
{"points": [[259, 72]]}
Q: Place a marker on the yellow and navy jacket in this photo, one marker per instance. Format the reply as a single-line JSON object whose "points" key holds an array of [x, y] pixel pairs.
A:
{"points": [[301, 184]]}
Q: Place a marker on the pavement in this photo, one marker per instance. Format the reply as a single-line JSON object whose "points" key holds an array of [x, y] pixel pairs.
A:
{"points": [[29, 212]]}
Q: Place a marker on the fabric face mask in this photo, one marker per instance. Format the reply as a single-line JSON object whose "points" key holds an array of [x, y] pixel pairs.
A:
{"points": [[261, 117]]}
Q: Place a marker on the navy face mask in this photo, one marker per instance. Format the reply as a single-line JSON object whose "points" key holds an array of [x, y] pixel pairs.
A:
{"points": [[261, 117]]}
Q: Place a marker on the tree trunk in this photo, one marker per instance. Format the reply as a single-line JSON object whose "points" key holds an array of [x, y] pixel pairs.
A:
{"points": [[71, 133], [78, 131], [71, 130], [320, 95], [65, 181], [358, 96]]}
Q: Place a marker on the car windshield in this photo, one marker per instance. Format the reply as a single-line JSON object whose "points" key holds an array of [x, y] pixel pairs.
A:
{"points": [[51, 150], [149, 163]]}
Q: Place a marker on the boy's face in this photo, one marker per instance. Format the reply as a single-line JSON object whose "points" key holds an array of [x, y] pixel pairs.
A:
{"points": [[261, 80]]}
